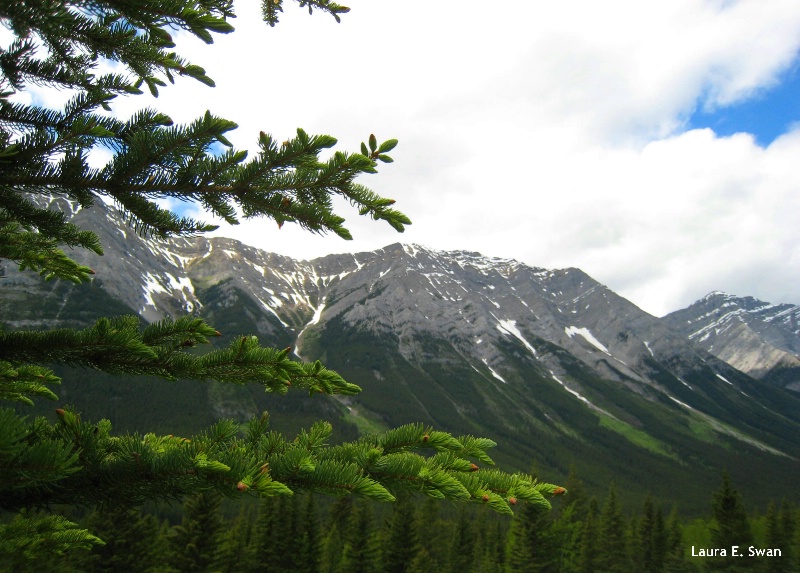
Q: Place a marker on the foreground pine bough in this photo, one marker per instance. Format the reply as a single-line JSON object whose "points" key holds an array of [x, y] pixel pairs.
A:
{"points": [[77, 462], [44, 152], [86, 465]]}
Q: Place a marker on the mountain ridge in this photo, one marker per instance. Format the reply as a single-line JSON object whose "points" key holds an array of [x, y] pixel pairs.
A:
{"points": [[551, 364]]}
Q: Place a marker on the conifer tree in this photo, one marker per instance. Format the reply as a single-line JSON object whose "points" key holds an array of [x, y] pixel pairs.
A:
{"points": [[569, 524], [772, 537], [234, 552], [788, 520], [589, 544], [731, 527], [643, 551], [308, 543], [463, 544], [650, 539], [794, 547], [532, 546], [361, 552], [133, 542], [335, 535], [266, 538], [779, 524], [674, 561], [276, 534], [195, 540], [612, 556], [434, 535], [577, 500], [332, 550], [402, 543], [289, 535], [44, 153], [492, 550], [423, 563], [286, 536], [659, 540]]}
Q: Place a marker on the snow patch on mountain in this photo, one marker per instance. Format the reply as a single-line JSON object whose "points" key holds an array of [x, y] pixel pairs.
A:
{"points": [[151, 286], [270, 310], [588, 336], [314, 320], [721, 377], [579, 396], [510, 327], [494, 373]]}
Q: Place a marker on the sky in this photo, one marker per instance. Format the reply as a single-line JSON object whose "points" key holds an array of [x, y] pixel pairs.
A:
{"points": [[654, 145]]}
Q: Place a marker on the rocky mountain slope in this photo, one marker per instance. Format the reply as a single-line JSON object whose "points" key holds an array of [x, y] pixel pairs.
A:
{"points": [[551, 364], [757, 337]]}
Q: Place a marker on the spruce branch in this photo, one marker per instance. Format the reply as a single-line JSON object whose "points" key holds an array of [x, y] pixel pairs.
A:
{"points": [[95, 466], [45, 150], [20, 384], [287, 183], [132, 34], [35, 252], [271, 8], [119, 346], [28, 536], [30, 457]]}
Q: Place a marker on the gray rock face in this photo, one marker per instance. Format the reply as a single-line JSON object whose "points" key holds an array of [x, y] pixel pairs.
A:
{"points": [[756, 337], [476, 302]]}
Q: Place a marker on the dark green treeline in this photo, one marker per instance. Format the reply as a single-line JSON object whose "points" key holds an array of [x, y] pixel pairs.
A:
{"points": [[580, 535]]}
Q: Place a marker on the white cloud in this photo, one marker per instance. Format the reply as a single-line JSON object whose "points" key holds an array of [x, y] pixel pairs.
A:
{"points": [[551, 132]]}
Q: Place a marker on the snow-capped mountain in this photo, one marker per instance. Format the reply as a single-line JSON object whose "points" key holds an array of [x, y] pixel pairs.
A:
{"points": [[477, 303], [757, 337], [550, 363]]}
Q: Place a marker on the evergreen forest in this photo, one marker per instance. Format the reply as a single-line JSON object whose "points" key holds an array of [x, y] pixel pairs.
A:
{"points": [[312, 534]]}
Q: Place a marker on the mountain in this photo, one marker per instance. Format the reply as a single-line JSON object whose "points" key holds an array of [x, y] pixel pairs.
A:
{"points": [[756, 337], [555, 367]]}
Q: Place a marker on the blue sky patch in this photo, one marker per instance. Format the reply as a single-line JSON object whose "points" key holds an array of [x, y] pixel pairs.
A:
{"points": [[767, 115]]}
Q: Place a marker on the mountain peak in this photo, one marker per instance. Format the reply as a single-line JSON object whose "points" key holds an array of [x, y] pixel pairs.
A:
{"points": [[757, 337], [716, 294]]}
